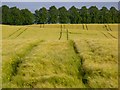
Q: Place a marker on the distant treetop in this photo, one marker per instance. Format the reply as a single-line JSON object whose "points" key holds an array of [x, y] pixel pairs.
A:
{"points": [[15, 16]]}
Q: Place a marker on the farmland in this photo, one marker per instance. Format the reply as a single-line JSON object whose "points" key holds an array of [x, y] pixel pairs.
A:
{"points": [[60, 56]]}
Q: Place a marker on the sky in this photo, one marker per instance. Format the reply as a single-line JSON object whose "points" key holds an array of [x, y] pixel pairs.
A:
{"points": [[32, 6], [59, 0]]}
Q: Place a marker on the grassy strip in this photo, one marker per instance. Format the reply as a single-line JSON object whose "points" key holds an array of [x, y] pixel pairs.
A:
{"points": [[13, 65]]}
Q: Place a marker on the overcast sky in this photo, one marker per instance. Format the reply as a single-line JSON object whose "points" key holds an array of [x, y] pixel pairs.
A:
{"points": [[32, 6]]}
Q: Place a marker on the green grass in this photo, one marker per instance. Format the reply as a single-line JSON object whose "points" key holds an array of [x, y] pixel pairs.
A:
{"points": [[33, 56]]}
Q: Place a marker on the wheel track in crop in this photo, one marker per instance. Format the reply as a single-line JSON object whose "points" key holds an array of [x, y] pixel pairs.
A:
{"points": [[21, 32], [19, 58], [82, 71], [67, 34], [108, 28], [85, 27], [42, 25], [109, 32], [17, 33], [112, 35], [14, 32], [109, 35], [61, 32], [73, 33], [105, 35]]}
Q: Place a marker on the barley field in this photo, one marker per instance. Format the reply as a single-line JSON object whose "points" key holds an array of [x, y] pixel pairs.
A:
{"points": [[60, 56]]}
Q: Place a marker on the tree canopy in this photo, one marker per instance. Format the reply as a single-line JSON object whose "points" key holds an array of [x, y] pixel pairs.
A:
{"points": [[41, 16], [63, 15], [74, 15], [15, 16], [53, 15]]}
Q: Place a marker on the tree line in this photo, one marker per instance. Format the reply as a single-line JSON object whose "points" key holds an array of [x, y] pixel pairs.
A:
{"points": [[15, 16]]}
